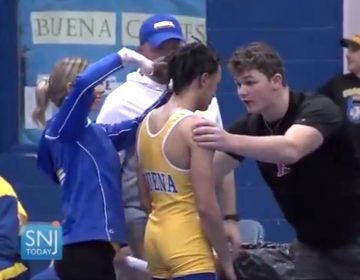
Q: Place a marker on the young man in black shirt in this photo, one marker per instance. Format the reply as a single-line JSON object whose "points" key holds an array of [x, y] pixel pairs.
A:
{"points": [[345, 89], [304, 155]]}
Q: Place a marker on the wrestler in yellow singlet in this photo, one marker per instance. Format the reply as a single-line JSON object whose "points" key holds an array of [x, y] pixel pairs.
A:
{"points": [[174, 241], [176, 181]]}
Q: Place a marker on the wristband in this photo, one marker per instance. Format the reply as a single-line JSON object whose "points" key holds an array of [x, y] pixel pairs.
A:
{"points": [[234, 217]]}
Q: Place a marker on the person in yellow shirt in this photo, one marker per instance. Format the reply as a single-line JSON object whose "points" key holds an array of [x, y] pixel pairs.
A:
{"points": [[12, 217], [176, 182]]}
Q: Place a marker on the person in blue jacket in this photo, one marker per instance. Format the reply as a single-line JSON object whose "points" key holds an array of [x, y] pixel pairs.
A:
{"points": [[82, 157]]}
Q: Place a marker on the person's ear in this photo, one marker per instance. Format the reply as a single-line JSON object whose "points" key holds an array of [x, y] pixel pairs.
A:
{"points": [[139, 49], [277, 80], [203, 79]]}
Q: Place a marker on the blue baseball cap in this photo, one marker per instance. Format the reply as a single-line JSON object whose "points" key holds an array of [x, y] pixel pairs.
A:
{"points": [[159, 28]]}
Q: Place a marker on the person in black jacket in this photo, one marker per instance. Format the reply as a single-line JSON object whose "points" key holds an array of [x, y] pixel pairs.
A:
{"points": [[345, 89], [305, 156]]}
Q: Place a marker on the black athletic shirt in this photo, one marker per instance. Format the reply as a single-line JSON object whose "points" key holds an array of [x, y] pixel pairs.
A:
{"points": [[320, 194], [345, 91]]}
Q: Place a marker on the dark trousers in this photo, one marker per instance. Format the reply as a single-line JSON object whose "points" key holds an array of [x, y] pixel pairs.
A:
{"points": [[92, 260]]}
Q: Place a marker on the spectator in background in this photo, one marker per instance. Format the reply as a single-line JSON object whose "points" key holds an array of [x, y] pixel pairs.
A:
{"points": [[159, 35], [42, 102], [344, 89], [305, 156], [32, 135], [12, 217]]}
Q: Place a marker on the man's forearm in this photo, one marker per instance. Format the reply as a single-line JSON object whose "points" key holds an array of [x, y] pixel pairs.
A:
{"points": [[228, 194], [229, 210], [272, 149]]}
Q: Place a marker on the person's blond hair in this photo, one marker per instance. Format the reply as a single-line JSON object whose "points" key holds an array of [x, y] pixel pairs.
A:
{"points": [[55, 88]]}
